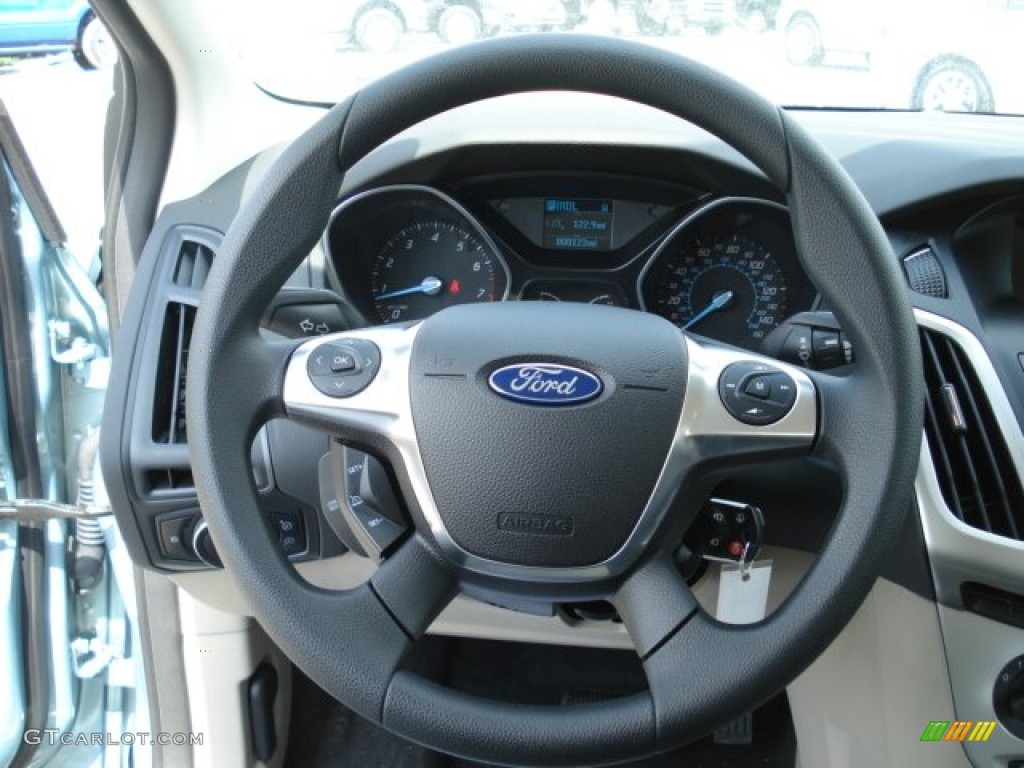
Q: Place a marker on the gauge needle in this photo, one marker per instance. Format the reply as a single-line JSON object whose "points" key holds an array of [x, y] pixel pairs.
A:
{"points": [[431, 286], [718, 302]]}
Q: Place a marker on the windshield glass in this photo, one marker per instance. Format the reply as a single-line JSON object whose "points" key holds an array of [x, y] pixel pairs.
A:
{"points": [[952, 55]]}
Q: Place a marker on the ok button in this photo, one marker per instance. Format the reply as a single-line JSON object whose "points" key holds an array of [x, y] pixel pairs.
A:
{"points": [[335, 360], [343, 368], [343, 362]]}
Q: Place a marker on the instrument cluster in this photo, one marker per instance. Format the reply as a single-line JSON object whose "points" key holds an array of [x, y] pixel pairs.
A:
{"points": [[725, 268]]}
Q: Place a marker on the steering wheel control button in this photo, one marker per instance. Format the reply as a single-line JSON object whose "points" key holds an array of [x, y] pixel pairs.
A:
{"points": [[343, 369], [759, 387], [359, 501], [380, 530], [319, 363], [344, 362], [290, 533], [756, 394]]}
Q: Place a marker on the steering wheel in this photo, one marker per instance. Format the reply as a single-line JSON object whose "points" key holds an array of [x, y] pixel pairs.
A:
{"points": [[554, 452]]}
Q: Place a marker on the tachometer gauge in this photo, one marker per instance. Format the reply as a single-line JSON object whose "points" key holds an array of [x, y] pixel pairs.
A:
{"points": [[430, 265], [729, 272]]}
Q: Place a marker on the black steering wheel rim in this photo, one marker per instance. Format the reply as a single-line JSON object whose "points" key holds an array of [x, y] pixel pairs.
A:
{"points": [[701, 672]]}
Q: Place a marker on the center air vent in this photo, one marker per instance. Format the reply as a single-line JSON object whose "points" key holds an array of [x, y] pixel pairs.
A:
{"points": [[976, 473], [169, 395], [194, 262]]}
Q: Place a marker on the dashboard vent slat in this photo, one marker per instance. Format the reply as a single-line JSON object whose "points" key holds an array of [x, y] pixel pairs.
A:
{"points": [[169, 397], [170, 480], [193, 266], [975, 470]]}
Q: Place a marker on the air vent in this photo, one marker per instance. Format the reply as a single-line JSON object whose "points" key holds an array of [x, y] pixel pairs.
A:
{"points": [[194, 262], [924, 273], [170, 480], [169, 396], [976, 473]]}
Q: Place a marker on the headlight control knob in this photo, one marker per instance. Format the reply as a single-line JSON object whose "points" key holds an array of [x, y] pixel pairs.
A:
{"points": [[202, 545], [1008, 697]]}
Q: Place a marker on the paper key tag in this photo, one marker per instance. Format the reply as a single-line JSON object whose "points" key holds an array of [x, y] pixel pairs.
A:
{"points": [[743, 593]]}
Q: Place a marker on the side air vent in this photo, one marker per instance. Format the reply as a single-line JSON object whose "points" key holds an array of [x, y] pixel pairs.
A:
{"points": [[169, 395], [976, 473], [170, 480], [924, 273], [194, 262]]}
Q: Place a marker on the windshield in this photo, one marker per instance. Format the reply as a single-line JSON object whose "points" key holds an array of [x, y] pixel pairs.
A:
{"points": [[951, 55]]}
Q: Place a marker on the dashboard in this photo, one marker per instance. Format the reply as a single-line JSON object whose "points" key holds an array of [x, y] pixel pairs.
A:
{"points": [[723, 267]]}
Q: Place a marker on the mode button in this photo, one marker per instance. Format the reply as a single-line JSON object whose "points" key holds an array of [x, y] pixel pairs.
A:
{"points": [[756, 394]]}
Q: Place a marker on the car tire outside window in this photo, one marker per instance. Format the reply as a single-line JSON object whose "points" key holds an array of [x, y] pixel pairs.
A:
{"points": [[459, 24], [95, 48], [953, 85], [378, 30], [803, 41]]}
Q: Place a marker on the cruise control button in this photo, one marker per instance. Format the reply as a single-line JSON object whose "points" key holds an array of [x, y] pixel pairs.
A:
{"points": [[379, 529]]}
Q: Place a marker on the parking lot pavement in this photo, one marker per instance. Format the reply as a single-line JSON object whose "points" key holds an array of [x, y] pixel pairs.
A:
{"points": [[59, 109]]}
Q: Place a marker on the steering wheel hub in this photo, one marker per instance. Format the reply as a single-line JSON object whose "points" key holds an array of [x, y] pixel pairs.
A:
{"points": [[548, 484]]}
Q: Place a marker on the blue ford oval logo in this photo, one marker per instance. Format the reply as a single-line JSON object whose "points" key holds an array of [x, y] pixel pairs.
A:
{"points": [[545, 384]]}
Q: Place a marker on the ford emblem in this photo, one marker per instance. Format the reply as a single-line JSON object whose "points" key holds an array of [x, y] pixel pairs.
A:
{"points": [[545, 384]]}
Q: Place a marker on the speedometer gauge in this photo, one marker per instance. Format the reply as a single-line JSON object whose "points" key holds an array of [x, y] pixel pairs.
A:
{"points": [[729, 272], [430, 265], [726, 287]]}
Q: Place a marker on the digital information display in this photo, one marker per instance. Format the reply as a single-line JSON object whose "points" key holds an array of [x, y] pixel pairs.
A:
{"points": [[577, 224]]}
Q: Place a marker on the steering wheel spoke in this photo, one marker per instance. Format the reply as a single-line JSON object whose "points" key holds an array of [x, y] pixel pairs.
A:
{"points": [[654, 602], [841, 402], [743, 407], [415, 586], [353, 385]]}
